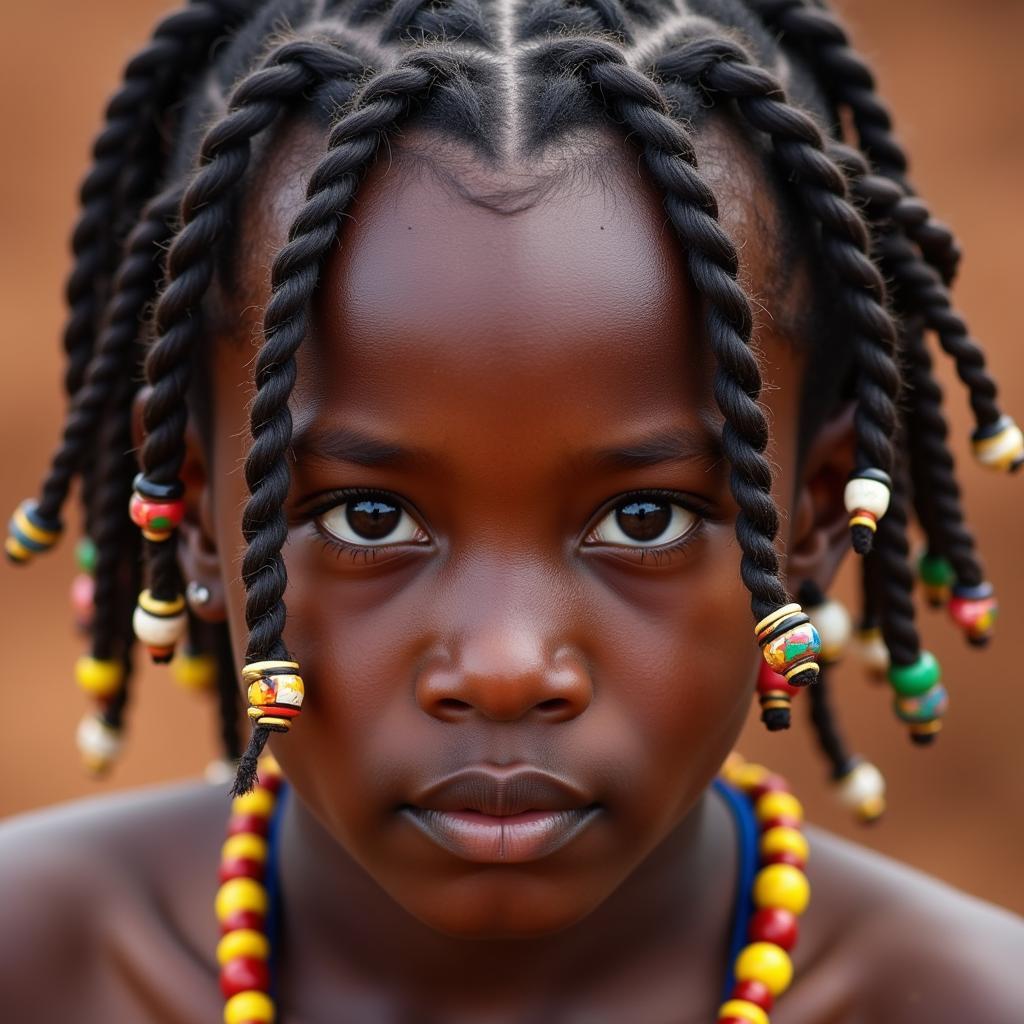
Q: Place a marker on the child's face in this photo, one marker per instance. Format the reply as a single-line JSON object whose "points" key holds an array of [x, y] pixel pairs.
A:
{"points": [[523, 405]]}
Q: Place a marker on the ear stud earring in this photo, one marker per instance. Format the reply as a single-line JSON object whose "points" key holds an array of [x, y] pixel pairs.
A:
{"points": [[197, 595]]}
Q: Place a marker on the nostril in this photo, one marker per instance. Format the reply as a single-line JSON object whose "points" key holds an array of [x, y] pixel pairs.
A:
{"points": [[451, 704], [558, 704]]}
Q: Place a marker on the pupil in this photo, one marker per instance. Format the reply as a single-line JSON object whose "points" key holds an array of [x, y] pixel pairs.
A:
{"points": [[643, 520], [371, 519]]}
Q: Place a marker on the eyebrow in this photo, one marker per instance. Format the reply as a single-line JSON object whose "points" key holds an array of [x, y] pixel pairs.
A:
{"points": [[668, 446], [343, 444]]}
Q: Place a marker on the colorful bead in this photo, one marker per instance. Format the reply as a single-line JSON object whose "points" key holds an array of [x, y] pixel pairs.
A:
{"points": [[244, 942], [240, 867], [923, 714], [160, 624], [790, 644], [913, 680], [98, 742], [832, 621], [240, 894], [974, 610], [776, 925], [83, 604], [866, 497], [999, 445], [778, 805], [873, 653], [99, 677], [275, 691], [86, 555], [766, 963], [242, 919], [253, 1008], [782, 885], [862, 789], [937, 577], [28, 534], [157, 509], [742, 1010], [775, 696], [784, 840], [195, 672], [753, 992], [244, 974]]}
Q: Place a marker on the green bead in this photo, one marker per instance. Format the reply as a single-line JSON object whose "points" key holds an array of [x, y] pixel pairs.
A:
{"points": [[85, 555], [913, 680], [935, 571]]}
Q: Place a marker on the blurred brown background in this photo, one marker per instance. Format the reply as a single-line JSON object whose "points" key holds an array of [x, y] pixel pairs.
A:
{"points": [[953, 74]]}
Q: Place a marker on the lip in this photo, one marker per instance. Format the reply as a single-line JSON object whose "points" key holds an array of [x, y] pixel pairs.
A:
{"points": [[513, 817]]}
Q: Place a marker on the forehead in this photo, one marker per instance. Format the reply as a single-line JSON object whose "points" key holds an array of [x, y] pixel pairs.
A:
{"points": [[531, 299]]}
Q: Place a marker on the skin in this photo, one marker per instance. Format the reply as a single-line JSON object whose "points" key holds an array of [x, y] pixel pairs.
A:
{"points": [[506, 350]]}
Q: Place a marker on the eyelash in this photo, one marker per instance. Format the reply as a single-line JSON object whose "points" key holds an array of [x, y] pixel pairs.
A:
{"points": [[659, 554]]}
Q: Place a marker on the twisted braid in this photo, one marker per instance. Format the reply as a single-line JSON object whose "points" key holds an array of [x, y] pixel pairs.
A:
{"points": [[179, 43], [848, 81], [635, 99], [723, 68], [287, 74], [353, 142]]}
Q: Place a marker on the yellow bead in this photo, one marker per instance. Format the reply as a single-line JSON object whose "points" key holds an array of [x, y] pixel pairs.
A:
{"points": [[195, 671], [240, 894], [779, 805], [767, 963], [749, 775], [782, 885], [245, 844], [744, 1010], [260, 801], [251, 1006], [243, 942], [784, 840], [262, 692], [99, 677]]}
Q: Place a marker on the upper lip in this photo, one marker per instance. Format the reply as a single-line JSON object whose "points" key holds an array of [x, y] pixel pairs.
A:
{"points": [[502, 793]]}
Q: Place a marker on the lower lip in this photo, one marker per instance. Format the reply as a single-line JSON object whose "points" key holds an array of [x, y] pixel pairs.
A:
{"points": [[512, 839]]}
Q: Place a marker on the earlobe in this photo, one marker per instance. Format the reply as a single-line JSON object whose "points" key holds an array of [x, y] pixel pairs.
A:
{"points": [[197, 550], [819, 537]]}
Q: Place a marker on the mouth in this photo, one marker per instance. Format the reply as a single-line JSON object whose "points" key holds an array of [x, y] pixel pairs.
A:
{"points": [[484, 816]]}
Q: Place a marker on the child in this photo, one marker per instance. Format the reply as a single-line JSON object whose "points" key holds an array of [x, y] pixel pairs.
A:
{"points": [[508, 438]]}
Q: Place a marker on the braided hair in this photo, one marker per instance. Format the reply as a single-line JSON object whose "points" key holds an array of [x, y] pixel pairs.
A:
{"points": [[511, 80]]}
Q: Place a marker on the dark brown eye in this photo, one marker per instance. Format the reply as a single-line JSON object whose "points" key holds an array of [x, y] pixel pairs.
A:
{"points": [[644, 522], [372, 520]]}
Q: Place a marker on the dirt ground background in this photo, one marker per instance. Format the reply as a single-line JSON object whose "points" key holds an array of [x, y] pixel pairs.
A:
{"points": [[953, 74]]}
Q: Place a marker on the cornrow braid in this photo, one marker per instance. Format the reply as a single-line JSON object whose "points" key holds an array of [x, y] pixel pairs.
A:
{"points": [[462, 20], [848, 81], [353, 142], [723, 68]]}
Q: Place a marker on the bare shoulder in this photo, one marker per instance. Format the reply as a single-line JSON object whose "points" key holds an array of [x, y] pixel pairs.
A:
{"points": [[111, 897], [892, 944]]}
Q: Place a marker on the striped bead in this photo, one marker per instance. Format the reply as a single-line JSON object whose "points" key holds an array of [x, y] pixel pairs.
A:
{"points": [[999, 445], [29, 534]]}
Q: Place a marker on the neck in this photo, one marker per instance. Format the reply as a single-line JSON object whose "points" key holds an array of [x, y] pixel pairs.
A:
{"points": [[668, 919]]}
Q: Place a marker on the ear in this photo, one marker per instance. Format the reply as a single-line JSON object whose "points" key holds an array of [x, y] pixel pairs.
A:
{"points": [[820, 536], [197, 549]]}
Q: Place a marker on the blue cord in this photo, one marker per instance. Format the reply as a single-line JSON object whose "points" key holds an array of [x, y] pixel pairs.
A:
{"points": [[270, 883]]}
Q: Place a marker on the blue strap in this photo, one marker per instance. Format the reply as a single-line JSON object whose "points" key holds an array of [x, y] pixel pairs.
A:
{"points": [[743, 908], [270, 883]]}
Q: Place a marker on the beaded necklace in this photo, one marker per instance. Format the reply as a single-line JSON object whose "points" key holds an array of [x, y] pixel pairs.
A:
{"points": [[761, 971]]}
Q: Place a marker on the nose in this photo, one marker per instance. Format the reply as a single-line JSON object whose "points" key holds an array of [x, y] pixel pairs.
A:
{"points": [[504, 675]]}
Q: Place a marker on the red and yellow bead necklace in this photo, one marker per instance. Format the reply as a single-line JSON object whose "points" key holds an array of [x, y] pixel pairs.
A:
{"points": [[763, 969]]}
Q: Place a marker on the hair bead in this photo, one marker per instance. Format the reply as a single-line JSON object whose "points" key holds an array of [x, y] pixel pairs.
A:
{"points": [[873, 653], [974, 610], [920, 698], [195, 672], [775, 696], [275, 691], [29, 534], [790, 644], [862, 789], [159, 624], [937, 578], [99, 677], [832, 621], [866, 497], [999, 445], [98, 742]]}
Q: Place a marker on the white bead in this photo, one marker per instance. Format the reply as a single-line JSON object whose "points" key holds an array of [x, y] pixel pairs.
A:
{"points": [[874, 654], [97, 742], [870, 495], [832, 621], [158, 630], [1001, 449], [864, 784]]}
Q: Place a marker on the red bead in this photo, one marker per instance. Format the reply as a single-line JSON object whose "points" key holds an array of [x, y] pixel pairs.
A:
{"points": [[242, 974], [773, 924], [255, 823], [732, 1020], [240, 867], [781, 821], [770, 681], [769, 784], [755, 992], [239, 919], [784, 857], [270, 780]]}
